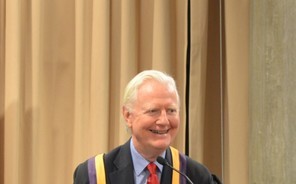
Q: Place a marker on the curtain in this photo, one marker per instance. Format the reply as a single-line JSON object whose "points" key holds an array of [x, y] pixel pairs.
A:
{"points": [[219, 88], [64, 65], [205, 92]]}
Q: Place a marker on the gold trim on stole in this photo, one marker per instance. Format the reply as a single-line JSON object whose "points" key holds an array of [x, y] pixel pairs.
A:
{"points": [[100, 169], [176, 164]]}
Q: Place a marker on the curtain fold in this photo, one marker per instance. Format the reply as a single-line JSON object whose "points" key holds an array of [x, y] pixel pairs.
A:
{"points": [[198, 62], [205, 87]]}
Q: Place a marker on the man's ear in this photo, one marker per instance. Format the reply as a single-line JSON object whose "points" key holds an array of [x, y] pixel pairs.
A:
{"points": [[127, 116]]}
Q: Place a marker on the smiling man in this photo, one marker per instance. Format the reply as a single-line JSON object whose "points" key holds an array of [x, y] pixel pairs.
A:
{"points": [[151, 112]]}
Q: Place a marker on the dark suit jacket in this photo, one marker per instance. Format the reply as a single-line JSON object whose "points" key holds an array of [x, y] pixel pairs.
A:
{"points": [[119, 169]]}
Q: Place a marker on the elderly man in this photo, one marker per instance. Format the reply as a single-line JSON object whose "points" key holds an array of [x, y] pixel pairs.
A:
{"points": [[151, 112]]}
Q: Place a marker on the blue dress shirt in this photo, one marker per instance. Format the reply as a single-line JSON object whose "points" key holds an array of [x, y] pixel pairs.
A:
{"points": [[140, 172]]}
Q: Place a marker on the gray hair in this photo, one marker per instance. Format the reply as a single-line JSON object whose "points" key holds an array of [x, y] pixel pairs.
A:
{"points": [[132, 87]]}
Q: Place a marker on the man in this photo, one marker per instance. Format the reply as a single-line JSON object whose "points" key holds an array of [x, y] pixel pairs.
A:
{"points": [[151, 111]]}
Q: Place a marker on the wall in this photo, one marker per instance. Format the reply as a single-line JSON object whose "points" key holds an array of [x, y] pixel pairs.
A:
{"points": [[272, 92]]}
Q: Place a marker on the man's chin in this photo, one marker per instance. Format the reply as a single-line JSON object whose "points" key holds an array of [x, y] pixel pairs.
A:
{"points": [[161, 145]]}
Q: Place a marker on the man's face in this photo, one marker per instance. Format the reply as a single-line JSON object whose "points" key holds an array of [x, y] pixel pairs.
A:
{"points": [[154, 120]]}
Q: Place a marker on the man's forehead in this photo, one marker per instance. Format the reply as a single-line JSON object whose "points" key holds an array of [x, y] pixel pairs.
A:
{"points": [[151, 84]]}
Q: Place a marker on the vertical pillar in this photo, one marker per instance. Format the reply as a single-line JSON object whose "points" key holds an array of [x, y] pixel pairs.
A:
{"points": [[272, 92]]}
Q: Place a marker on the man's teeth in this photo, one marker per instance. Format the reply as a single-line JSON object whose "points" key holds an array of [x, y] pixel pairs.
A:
{"points": [[159, 131]]}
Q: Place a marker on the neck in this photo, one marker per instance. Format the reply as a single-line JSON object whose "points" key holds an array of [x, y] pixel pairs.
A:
{"points": [[149, 154]]}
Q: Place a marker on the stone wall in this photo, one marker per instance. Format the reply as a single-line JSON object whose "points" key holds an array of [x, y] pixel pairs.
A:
{"points": [[273, 92]]}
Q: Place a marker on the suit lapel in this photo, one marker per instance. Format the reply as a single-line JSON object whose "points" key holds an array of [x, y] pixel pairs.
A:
{"points": [[124, 172], [166, 176]]}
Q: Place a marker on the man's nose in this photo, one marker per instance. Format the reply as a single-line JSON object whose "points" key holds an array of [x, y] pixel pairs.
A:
{"points": [[163, 118]]}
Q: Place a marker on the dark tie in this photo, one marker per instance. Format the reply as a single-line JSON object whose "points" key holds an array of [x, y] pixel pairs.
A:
{"points": [[152, 178]]}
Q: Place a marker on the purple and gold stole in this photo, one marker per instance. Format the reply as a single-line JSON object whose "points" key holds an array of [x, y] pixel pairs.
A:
{"points": [[96, 168]]}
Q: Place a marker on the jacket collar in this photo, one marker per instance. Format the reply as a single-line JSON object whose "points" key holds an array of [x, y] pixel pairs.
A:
{"points": [[125, 169]]}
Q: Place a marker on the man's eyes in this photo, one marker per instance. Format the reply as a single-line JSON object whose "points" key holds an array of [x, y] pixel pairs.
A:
{"points": [[171, 111], [153, 111], [158, 111]]}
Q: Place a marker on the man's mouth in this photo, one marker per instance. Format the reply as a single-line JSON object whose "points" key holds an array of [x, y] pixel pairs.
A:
{"points": [[159, 131]]}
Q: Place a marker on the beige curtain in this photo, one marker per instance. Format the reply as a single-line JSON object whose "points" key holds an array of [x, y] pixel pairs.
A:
{"points": [[205, 118], [218, 100], [64, 65], [63, 70]]}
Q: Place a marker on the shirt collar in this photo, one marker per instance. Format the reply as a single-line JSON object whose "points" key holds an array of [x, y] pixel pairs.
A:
{"points": [[140, 162]]}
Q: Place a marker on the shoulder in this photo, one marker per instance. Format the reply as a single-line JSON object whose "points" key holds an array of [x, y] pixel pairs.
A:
{"points": [[81, 173], [86, 170], [198, 172]]}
